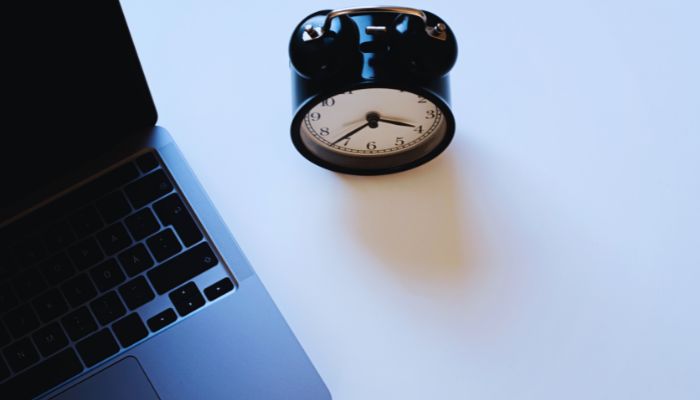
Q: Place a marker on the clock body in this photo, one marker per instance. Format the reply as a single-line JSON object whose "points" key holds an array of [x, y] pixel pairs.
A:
{"points": [[371, 89]]}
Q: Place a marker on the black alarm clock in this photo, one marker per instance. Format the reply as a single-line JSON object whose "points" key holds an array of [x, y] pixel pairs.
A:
{"points": [[371, 88]]}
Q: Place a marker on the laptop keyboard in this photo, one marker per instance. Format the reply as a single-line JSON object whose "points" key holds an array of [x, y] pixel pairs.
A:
{"points": [[116, 264]]}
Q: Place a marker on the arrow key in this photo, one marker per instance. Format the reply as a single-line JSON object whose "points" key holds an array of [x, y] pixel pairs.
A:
{"points": [[186, 298]]}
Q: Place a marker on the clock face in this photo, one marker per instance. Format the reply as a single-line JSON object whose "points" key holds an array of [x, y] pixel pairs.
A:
{"points": [[372, 122]]}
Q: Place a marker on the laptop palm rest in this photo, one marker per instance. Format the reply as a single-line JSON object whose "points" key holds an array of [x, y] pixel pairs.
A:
{"points": [[123, 380]]}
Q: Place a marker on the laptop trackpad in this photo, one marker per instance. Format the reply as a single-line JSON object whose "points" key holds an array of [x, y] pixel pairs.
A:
{"points": [[123, 380]]}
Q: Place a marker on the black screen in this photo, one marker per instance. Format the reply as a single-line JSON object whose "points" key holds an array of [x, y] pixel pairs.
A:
{"points": [[72, 86]]}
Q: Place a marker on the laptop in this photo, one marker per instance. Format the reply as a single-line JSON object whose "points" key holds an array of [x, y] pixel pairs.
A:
{"points": [[118, 279]]}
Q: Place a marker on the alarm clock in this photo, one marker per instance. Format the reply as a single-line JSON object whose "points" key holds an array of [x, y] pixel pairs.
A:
{"points": [[371, 88]]}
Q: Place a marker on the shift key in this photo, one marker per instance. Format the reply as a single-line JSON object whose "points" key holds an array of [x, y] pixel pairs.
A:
{"points": [[182, 268]]}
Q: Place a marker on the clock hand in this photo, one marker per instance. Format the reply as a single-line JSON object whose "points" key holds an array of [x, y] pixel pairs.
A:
{"points": [[399, 123], [352, 132], [372, 122]]}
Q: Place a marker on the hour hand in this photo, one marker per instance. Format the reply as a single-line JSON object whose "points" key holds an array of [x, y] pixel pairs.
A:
{"points": [[399, 123]]}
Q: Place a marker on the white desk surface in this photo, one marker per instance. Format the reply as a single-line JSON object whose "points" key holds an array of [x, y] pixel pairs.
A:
{"points": [[552, 252]]}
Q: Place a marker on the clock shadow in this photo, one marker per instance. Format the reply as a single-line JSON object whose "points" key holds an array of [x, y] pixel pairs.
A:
{"points": [[413, 221]]}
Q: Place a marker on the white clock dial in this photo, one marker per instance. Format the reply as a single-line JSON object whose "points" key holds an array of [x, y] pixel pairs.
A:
{"points": [[372, 121]]}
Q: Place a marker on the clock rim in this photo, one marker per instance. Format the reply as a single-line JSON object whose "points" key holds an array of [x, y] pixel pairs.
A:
{"points": [[312, 100]]}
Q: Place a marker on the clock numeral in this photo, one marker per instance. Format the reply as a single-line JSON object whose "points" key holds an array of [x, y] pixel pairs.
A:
{"points": [[347, 141], [418, 129], [371, 145], [315, 116], [329, 102], [399, 141], [422, 100], [430, 114], [324, 132]]}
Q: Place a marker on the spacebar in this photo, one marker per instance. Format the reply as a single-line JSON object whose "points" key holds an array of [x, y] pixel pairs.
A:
{"points": [[182, 268], [44, 376]]}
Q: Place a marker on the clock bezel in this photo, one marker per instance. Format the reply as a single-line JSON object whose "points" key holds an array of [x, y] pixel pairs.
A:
{"points": [[379, 164]]}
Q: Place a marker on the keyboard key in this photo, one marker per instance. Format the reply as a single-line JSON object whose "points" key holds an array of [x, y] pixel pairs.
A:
{"points": [[7, 298], [50, 305], [136, 293], [4, 336], [29, 283], [4, 371], [135, 260], [85, 221], [130, 330], [57, 269], [142, 224], [58, 236], [21, 321], [182, 268], [21, 354], [172, 211], [148, 188], [218, 289], [107, 275], [86, 253], [114, 238], [97, 347], [186, 299], [162, 319], [108, 308], [78, 290], [42, 377], [164, 244], [79, 323], [50, 339], [29, 252], [113, 207], [147, 162]]}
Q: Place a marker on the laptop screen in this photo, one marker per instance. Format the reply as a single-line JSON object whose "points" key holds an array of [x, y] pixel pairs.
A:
{"points": [[72, 87]]}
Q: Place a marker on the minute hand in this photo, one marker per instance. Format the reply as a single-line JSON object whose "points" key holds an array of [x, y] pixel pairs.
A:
{"points": [[399, 123], [352, 132]]}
